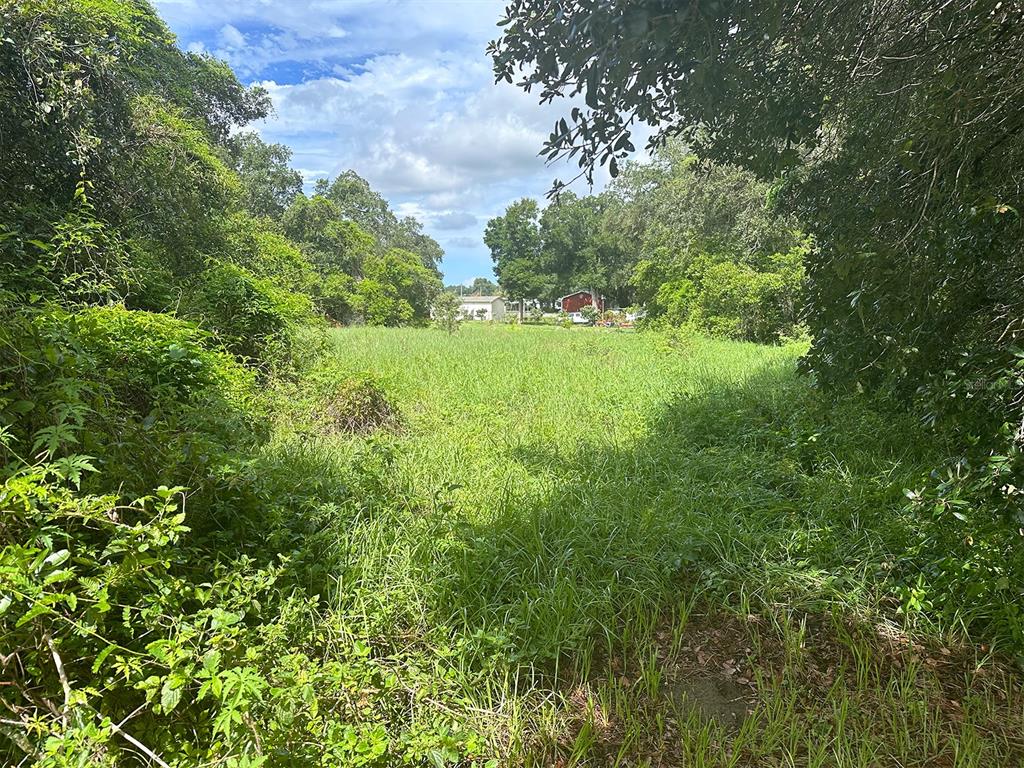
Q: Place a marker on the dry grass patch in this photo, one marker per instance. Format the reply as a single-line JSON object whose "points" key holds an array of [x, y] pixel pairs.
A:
{"points": [[791, 691]]}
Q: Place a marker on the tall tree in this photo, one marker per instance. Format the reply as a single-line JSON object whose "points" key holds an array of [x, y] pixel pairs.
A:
{"points": [[396, 289], [678, 200], [581, 246], [410, 236], [269, 184], [107, 137], [331, 242], [515, 244], [482, 286], [566, 229], [358, 201]]}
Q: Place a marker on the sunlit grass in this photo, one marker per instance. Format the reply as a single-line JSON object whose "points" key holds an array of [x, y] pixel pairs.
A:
{"points": [[563, 499]]}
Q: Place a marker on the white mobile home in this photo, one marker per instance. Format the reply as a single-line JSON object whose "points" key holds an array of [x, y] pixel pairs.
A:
{"points": [[482, 307]]}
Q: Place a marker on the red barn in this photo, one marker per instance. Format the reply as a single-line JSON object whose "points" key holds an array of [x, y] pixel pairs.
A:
{"points": [[574, 302]]}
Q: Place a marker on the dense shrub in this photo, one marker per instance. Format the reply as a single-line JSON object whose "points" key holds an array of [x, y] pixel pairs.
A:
{"points": [[396, 289], [249, 244], [251, 316], [757, 299], [888, 127], [334, 295], [119, 651], [140, 395], [67, 255], [359, 405]]}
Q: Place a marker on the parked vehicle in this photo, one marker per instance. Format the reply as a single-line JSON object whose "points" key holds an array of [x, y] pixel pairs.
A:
{"points": [[578, 318]]}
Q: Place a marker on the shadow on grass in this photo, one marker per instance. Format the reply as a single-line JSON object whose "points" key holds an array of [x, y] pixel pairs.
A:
{"points": [[756, 491], [758, 498]]}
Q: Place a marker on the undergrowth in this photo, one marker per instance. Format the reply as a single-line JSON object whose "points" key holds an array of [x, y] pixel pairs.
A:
{"points": [[582, 547]]}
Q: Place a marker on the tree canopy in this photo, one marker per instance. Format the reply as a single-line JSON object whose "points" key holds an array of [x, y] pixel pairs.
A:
{"points": [[515, 244], [269, 185], [360, 203], [694, 243]]}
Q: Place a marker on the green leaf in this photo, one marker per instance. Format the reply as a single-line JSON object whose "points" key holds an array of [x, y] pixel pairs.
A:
{"points": [[158, 650], [62, 575], [101, 657], [36, 610], [56, 558], [211, 661], [169, 696]]}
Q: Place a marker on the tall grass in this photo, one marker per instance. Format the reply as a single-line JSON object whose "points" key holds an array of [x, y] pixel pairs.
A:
{"points": [[561, 501]]}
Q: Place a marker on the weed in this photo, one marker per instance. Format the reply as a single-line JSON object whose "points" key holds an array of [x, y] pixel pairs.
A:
{"points": [[359, 406]]}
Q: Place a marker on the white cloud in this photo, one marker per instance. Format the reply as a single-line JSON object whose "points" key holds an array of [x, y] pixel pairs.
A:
{"points": [[400, 92], [455, 220], [231, 37]]}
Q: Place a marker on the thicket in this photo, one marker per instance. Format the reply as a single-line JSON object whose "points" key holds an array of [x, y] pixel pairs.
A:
{"points": [[162, 283], [895, 129], [166, 559]]}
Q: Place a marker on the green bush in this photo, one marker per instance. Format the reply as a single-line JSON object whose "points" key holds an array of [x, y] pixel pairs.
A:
{"points": [[334, 297], [266, 254], [139, 395], [116, 645], [755, 300], [251, 316], [447, 311], [396, 290], [379, 304], [69, 256]]}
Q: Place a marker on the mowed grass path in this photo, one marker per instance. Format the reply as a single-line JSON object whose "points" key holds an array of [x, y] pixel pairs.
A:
{"points": [[655, 551]]}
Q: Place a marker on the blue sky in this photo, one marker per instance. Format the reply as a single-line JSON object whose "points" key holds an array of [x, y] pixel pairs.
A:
{"points": [[400, 91]]}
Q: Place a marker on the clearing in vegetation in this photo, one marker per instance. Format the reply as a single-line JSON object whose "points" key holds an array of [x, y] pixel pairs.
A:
{"points": [[232, 536], [633, 549]]}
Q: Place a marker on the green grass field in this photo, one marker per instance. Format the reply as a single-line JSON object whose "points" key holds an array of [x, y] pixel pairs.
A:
{"points": [[590, 547]]}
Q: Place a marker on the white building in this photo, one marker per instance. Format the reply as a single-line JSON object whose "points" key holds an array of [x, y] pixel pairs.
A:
{"points": [[482, 307]]}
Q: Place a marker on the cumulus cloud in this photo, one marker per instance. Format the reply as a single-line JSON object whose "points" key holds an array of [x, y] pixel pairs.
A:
{"points": [[455, 220], [400, 92], [231, 37]]}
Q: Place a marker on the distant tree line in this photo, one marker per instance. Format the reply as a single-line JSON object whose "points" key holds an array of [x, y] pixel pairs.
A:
{"points": [[480, 286], [693, 243]]}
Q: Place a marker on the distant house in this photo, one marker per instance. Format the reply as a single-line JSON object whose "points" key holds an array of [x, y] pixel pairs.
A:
{"points": [[482, 307], [577, 300]]}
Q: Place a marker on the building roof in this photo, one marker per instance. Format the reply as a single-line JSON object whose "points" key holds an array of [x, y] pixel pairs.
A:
{"points": [[478, 299], [573, 293]]}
